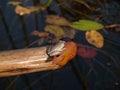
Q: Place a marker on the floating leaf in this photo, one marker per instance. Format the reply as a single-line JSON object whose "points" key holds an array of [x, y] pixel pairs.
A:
{"points": [[56, 30], [86, 52], [54, 40], [14, 3], [36, 8], [85, 25], [95, 38], [69, 32], [20, 10], [40, 34], [57, 20]]}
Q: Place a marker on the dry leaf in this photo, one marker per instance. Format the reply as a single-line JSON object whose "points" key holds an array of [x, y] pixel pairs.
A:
{"points": [[57, 20], [69, 32], [86, 52], [40, 34], [20, 10], [55, 30], [14, 3], [95, 38], [36, 8]]}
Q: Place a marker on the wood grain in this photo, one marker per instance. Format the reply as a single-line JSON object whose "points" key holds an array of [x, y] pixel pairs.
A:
{"points": [[22, 61]]}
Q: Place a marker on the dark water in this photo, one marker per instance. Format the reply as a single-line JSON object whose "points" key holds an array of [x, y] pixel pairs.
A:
{"points": [[105, 70]]}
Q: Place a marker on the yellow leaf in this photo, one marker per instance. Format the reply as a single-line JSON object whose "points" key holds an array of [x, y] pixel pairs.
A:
{"points": [[14, 3], [20, 10], [95, 38]]}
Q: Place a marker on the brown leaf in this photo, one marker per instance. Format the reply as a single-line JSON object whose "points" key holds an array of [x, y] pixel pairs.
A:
{"points": [[40, 34], [20, 10], [56, 30], [95, 38], [69, 33], [86, 52], [14, 3], [57, 20]]}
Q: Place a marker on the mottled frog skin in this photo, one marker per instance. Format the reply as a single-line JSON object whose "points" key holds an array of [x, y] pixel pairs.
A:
{"points": [[66, 55], [56, 49]]}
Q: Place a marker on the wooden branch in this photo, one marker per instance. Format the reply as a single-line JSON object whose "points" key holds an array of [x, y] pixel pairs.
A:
{"points": [[22, 61]]}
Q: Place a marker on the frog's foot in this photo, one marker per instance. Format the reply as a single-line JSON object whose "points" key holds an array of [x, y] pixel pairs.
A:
{"points": [[66, 55]]}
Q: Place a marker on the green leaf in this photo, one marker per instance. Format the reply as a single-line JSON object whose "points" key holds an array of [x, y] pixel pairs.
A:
{"points": [[86, 25], [48, 2]]}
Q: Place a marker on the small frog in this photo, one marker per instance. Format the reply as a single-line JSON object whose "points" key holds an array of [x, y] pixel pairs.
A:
{"points": [[56, 49]]}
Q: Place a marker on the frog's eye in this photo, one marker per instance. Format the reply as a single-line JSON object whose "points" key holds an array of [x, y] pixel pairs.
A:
{"points": [[58, 55]]}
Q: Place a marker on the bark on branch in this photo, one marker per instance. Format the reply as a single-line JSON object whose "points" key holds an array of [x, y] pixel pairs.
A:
{"points": [[16, 62]]}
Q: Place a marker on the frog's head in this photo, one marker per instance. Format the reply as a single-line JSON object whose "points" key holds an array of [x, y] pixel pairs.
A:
{"points": [[66, 55]]}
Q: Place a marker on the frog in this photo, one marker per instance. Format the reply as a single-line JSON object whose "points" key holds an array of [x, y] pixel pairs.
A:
{"points": [[56, 49]]}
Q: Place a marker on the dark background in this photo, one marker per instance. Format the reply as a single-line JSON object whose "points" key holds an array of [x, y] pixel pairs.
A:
{"points": [[15, 33]]}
